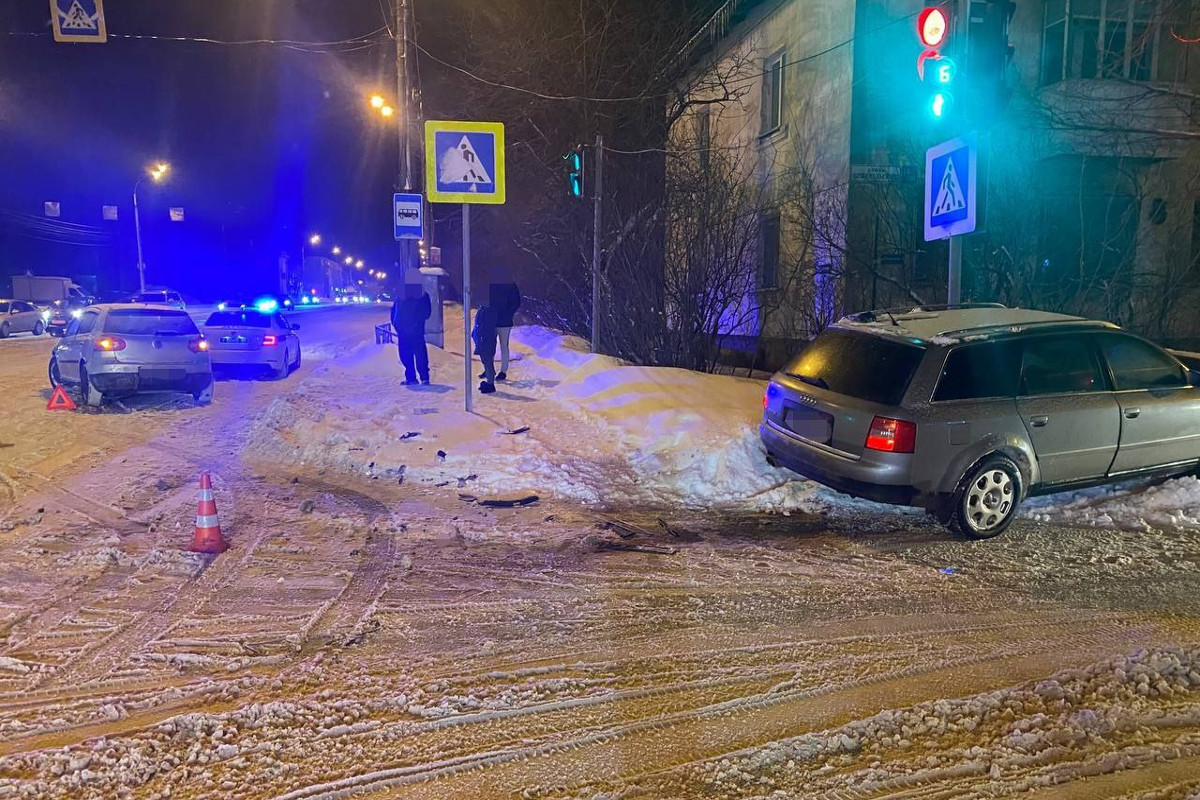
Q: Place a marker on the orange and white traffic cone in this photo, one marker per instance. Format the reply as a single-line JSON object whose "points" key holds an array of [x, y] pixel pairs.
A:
{"points": [[208, 537]]}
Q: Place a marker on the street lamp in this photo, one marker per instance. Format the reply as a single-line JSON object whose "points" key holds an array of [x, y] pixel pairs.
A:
{"points": [[157, 173], [377, 101], [349, 260], [387, 111], [336, 250], [315, 239], [359, 263]]}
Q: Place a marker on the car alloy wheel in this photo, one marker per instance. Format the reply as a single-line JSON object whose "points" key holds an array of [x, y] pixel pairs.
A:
{"points": [[987, 499], [87, 392], [55, 375], [4, 331], [39, 328]]}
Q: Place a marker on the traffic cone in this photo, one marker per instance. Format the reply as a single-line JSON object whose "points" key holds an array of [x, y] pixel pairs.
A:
{"points": [[208, 537]]}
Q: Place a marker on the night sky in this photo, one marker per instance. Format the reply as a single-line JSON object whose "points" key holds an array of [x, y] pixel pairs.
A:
{"points": [[266, 143]]}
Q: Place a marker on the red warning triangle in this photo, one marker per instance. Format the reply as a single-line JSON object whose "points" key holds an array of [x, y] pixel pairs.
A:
{"points": [[60, 400]]}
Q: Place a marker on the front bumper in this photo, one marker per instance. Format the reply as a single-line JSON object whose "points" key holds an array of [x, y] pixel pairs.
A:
{"points": [[880, 481]]}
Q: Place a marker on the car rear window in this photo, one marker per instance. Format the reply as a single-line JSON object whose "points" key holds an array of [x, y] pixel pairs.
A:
{"points": [[3, 308], [151, 297], [979, 371], [149, 322], [860, 365], [239, 319]]}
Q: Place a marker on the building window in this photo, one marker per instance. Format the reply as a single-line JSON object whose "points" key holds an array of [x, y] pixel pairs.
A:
{"points": [[768, 269], [772, 94], [1114, 39], [704, 136]]}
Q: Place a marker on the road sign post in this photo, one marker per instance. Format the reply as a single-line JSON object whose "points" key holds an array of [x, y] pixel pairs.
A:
{"points": [[464, 163], [407, 215], [951, 178]]}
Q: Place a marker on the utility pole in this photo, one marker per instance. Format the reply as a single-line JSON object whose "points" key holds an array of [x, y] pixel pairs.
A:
{"points": [[404, 124], [597, 213], [137, 228]]}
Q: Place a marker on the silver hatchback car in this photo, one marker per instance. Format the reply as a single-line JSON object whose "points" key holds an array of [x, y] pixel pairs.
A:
{"points": [[124, 349], [967, 410]]}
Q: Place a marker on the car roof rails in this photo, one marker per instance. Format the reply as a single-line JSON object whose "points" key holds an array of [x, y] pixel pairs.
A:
{"points": [[891, 313], [1006, 327]]}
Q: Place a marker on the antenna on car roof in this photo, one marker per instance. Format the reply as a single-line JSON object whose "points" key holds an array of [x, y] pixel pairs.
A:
{"points": [[893, 319]]}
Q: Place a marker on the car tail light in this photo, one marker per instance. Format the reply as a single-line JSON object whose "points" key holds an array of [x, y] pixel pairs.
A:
{"points": [[199, 345], [270, 340], [892, 435], [766, 399], [109, 344]]}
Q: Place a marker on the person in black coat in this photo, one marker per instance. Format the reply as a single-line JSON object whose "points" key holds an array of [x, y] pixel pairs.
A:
{"points": [[484, 335], [409, 312], [505, 299]]}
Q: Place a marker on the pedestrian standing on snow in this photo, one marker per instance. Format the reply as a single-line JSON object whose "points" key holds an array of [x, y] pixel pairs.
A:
{"points": [[409, 313], [484, 335], [506, 299]]}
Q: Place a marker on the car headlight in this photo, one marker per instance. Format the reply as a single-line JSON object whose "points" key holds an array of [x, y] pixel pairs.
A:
{"points": [[76, 312]]}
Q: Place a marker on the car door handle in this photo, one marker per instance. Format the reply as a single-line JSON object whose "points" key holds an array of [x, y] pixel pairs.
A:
{"points": [[1039, 421], [1132, 413]]}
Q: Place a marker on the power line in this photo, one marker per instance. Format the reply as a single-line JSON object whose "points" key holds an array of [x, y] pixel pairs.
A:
{"points": [[299, 44]]}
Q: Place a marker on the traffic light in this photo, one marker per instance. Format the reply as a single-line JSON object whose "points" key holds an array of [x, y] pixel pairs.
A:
{"points": [[935, 69], [574, 161], [988, 56]]}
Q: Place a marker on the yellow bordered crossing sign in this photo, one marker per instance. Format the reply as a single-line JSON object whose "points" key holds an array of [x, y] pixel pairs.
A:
{"points": [[78, 21], [464, 162]]}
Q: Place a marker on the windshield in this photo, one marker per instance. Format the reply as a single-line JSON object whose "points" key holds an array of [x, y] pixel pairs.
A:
{"points": [[136, 322], [860, 365], [239, 319]]}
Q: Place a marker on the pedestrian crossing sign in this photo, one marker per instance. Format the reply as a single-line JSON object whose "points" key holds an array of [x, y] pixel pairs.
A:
{"points": [[464, 162], [951, 173], [78, 20]]}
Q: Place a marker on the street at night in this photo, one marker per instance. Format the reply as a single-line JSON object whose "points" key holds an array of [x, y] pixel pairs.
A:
{"points": [[600, 400]]}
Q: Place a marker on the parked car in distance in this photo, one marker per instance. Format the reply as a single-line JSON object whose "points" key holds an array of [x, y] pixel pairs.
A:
{"points": [[124, 349], [18, 316], [967, 410], [248, 337], [160, 297], [59, 315]]}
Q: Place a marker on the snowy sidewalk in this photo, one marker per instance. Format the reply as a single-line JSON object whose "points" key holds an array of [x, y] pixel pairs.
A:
{"points": [[599, 431]]}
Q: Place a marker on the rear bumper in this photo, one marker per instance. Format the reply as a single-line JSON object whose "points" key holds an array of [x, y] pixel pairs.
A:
{"points": [[878, 481], [130, 379], [234, 358]]}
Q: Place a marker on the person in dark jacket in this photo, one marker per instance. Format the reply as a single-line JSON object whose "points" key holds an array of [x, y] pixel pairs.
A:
{"points": [[409, 312], [506, 299], [484, 335]]}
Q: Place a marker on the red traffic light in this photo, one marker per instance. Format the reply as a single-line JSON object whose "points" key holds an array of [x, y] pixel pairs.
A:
{"points": [[932, 27]]}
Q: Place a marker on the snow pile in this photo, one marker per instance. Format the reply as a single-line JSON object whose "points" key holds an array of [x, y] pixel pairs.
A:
{"points": [[1135, 505], [599, 430]]}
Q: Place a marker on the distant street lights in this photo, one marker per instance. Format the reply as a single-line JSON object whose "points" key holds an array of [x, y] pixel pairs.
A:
{"points": [[349, 260], [157, 173], [315, 239], [359, 263], [336, 250]]}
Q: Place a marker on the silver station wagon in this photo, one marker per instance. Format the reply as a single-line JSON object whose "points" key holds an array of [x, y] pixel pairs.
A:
{"points": [[966, 410]]}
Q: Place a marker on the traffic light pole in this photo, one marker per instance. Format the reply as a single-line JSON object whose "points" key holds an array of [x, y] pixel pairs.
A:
{"points": [[954, 279], [597, 211]]}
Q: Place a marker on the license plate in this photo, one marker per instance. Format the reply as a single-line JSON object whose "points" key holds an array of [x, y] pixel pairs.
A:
{"points": [[233, 340], [814, 425]]}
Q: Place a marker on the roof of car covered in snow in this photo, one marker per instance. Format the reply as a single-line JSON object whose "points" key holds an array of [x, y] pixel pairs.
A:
{"points": [[951, 325]]}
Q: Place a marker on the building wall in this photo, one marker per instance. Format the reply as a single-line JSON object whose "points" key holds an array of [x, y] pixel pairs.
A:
{"points": [[811, 145]]}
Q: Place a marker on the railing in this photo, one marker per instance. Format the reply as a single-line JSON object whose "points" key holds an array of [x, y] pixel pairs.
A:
{"points": [[384, 334]]}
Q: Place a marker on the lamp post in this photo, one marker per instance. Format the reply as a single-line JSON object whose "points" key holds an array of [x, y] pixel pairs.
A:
{"points": [[156, 172]]}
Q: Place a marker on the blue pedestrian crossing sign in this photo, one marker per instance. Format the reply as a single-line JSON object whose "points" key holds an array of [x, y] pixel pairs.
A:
{"points": [[464, 162], [951, 173], [78, 20], [406, 214]]}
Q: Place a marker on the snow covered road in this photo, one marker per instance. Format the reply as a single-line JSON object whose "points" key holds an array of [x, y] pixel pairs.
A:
{"points": [[372, 633]]}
